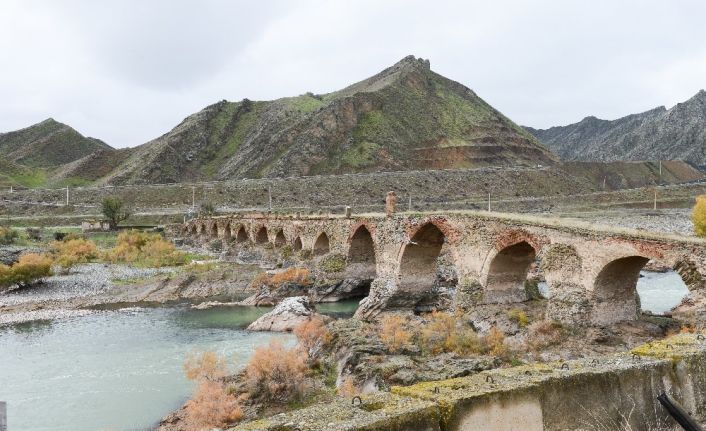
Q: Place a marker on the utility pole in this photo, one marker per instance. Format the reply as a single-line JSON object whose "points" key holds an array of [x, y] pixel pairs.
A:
{"points": [[603, 183], [488, 201], [269, 196], [11, 189], [410, 202], [67, 195], [655, 201], [193, 199], [660, 169]]}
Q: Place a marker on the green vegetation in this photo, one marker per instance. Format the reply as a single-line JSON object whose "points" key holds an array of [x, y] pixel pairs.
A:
{"points": [[30, 268], [698, 216], [145, 250], [113, 211], [8, 235], [305, 103], [72, 251], [333, 263]]}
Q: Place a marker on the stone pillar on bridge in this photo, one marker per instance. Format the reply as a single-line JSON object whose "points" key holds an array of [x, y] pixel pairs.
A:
{"points": [[390, 203]]}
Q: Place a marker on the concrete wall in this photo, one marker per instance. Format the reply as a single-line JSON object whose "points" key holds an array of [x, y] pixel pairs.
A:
{"points": [[616, 393]]}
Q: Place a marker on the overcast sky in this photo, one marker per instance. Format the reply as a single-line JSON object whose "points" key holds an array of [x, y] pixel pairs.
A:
{"points": [[127, 71]]}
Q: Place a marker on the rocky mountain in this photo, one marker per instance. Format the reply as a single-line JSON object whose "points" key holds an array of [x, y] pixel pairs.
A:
{"points": [[678, 133], [405, 117], [48, 144]]}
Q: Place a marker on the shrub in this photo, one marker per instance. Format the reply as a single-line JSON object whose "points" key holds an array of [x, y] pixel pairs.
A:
{"points": [[29, 268], [333, 263], [698, 216], [446, 333], [145, 249], [544, 333], [495, 342], [210, 405], [298, 276], [73, 251], [348, 388], [277, 374], [518, 316], [313, 336], [393, 333], [7, 235], [206, 366], [33, 233]]}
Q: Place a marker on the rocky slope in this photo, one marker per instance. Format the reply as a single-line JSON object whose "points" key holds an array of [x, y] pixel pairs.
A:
{"points": [[678, 133], [47, 145], [405, 117]]}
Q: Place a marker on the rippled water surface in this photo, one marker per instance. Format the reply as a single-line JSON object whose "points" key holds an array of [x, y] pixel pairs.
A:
{"points": [[116, 370]]}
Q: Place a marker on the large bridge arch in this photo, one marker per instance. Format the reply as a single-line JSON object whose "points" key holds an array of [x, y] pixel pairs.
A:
{"points": [[507, 266], [614, 294], [418, 263], [361, 259]]}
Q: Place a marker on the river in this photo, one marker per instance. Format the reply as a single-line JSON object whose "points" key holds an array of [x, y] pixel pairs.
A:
{"points": [[117, 370]]}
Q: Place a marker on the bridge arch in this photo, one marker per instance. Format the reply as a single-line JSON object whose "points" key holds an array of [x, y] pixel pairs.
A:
{"points": [[507, 272], [322, 245], [361, 259], [193, 229], [261, 236], [615, 297], [241, 234], [418, 264], [280, 239], [297, 243]]}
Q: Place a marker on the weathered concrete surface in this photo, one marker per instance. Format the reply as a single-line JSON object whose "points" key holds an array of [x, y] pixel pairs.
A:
{"points": [[592, 273], [379, 412], [615, 392]]}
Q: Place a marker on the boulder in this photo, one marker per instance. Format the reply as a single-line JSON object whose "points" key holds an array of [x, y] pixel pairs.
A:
{"points": [[286, 316]]}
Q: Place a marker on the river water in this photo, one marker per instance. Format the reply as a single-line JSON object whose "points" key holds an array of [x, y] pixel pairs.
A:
{"points": [[122, 370], [117, 370]]}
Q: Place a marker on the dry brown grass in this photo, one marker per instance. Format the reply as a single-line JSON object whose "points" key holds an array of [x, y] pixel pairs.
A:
{"points": [[211, 407], [543, 334], [348, 388], [70, 252], [277, 374], [393, 333], [206, 366], [300, 276]]}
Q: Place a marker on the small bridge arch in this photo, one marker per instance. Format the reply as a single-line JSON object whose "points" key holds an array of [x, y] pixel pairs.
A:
{"points": [[322, 245]]}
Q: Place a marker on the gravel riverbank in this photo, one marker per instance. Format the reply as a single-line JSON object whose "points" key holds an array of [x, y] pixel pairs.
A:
{"points": [[46, 300]]}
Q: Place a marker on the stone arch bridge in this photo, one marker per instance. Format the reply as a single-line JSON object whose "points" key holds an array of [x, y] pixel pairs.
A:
{"points": [[591, 274]]}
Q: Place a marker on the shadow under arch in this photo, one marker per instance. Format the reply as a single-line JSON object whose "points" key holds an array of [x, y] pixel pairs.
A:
{"points": [[615, 297], [241, 235], [261, 236], [321, 245], [280, 239], [507, 273], [418, 265]]}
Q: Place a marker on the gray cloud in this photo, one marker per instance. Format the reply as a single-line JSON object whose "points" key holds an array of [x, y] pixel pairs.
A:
{"points": [[128, 71]]}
